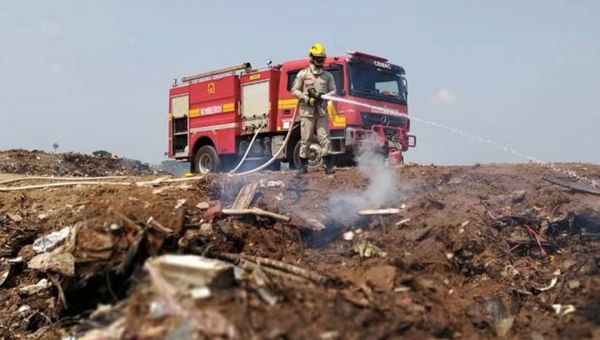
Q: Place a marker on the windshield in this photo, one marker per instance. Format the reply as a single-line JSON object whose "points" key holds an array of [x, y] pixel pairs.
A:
{"points": [[368, 81]]}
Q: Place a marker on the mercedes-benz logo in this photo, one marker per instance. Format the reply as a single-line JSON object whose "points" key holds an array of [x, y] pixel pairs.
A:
{"points": [[385, 120]]}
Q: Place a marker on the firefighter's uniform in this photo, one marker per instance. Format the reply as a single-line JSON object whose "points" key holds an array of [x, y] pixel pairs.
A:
{"points": [[310, 84]]}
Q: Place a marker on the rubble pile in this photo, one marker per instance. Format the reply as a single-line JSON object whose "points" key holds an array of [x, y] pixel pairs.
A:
{"points": [[74, 164], [479, 252]]}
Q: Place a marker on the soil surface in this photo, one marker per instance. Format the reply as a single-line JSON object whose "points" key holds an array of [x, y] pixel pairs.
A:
{"points": [[472, 252], [69, 164]]}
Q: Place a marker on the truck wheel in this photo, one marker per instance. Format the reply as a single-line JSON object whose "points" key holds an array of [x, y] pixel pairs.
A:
{"points": [[207, 160], [315, 161]]}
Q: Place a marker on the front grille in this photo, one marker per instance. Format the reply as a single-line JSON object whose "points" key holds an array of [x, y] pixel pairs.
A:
{"points": [[369, 119]]}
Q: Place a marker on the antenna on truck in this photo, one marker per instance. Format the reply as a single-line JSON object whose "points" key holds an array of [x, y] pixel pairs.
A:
{"points": [[243, 66]]}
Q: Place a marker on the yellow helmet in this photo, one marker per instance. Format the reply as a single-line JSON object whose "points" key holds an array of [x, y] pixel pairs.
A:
{"points": [[317, 50], [317, 55]]}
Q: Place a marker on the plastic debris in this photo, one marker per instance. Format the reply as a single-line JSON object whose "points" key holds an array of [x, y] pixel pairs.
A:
{"points": [[191, 271], [24, 309], [36, 288], [50, 241], [563, 309], [157, 310], [180, 203], [115, 227], [552, 283], [200, 293]]}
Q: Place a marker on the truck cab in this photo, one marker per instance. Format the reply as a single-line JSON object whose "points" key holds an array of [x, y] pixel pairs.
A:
{"points": [[375, 109]]}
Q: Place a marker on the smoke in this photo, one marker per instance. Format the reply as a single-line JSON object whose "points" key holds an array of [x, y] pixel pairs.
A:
{"points": [[382, 190]]}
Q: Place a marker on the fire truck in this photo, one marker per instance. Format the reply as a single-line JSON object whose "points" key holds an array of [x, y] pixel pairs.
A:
{"points": [[215, 116]]}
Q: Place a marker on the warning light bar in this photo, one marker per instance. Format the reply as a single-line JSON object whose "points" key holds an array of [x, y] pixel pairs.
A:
{"points": [[366, 55]]}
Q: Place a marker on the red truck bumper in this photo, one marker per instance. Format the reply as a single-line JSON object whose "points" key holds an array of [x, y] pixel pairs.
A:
{"points": [[393, 139]]}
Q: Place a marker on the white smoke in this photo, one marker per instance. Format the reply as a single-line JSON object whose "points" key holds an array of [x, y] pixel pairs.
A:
{"points": [[382, 190]]}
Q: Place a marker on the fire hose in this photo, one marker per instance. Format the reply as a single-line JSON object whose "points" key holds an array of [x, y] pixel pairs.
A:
{"points": [[248, 149], [285, 141]]}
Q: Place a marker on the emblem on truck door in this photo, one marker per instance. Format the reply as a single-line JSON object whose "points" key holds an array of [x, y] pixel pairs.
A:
{"points": [[385, 120], [210, 88]]}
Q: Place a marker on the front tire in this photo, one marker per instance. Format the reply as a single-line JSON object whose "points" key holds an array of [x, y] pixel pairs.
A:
{"points": [[315, 161], [207, 160]]}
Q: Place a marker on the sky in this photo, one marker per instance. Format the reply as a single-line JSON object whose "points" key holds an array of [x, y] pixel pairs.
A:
{"points": [[95, 75]]}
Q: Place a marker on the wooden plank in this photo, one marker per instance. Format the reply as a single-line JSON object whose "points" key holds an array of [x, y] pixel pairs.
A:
{"points": [[245, 197], [390, 211], [304, 219]]}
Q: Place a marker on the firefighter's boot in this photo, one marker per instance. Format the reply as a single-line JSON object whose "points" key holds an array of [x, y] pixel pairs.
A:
{"points": [[328, 163], [303, 167]]}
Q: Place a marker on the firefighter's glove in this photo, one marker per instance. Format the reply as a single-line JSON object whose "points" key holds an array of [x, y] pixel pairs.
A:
{"points": [[312, 101], [319, 97]]}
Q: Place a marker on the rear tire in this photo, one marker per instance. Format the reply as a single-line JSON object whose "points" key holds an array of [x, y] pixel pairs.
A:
{"points": [[207, 160]]}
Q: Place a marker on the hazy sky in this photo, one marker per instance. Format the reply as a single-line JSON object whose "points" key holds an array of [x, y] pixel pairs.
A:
{"points": [[95, 75]]}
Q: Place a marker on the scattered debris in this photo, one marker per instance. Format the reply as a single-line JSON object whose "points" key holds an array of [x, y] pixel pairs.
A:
{"points": [[304, 219], [128, 254], [518, 196], [390, 211], [4, 272], [56, 261], [180, 203], [245, 197], [257, 212], [494, 314], [203, 205], [402, 222], [264, 183], [365, 249], [18, 161], [572, 186], [563, 309], [551, 285], [33, 289], [191, 271], [50, 241]]}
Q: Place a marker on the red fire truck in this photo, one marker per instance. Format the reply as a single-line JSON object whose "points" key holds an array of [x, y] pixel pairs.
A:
{"points": [[213, 116]]}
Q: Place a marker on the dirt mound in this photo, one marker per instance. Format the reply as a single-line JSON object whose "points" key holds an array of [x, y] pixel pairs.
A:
{"points": [[37, 162], [471, 252]]}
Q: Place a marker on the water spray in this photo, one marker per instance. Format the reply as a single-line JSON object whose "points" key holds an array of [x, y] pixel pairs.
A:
{"points": [[393, 112]]}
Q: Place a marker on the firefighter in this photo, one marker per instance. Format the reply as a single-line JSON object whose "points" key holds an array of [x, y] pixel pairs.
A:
{"points": [[309, 86]]}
